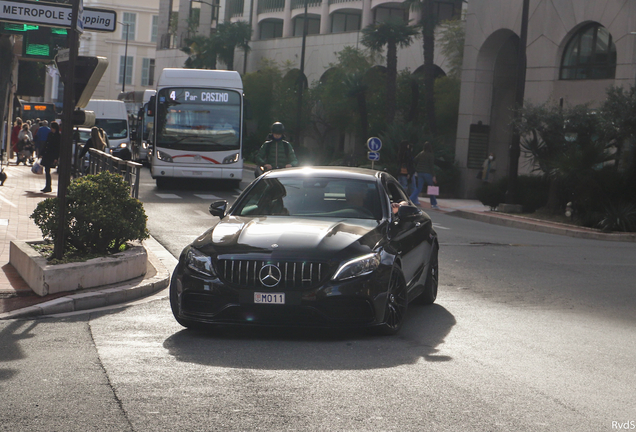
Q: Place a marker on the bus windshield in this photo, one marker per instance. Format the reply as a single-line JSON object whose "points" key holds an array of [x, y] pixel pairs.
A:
{"points": [[198, 119]]}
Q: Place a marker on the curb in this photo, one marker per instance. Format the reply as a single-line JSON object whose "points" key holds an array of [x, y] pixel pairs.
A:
{"points": [[102, 297], [530, 224]]}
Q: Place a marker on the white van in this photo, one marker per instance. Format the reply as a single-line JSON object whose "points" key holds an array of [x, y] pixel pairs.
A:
{"points": [[111, 115]]}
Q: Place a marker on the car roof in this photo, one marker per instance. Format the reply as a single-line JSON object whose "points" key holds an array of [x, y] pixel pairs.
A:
{"points": [[327, 171]]}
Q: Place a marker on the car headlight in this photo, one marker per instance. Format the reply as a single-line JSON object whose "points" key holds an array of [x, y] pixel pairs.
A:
{"points": [[123, 145], [199, 262], [164, 156], [357, 267], [144, 144], [231, 159]]}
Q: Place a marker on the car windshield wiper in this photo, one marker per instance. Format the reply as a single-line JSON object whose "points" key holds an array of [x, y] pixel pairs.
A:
{"points": [[165, 139]]}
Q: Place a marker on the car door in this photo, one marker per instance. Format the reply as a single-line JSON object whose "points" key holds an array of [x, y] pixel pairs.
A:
{"points": [[408, 236]]}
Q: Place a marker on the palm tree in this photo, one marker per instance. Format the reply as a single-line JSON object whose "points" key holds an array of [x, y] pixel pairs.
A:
{"points": [[232, 35], [357, 89], [202, 51], [428, 23], [393, 32]]}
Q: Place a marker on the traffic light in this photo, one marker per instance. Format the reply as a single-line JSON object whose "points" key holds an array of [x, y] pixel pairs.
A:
{"points": [[88, 72], [83, 118], [37, 42]]}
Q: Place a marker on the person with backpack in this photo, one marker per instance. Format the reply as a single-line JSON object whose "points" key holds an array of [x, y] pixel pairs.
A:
{"points": [[276, 152]]}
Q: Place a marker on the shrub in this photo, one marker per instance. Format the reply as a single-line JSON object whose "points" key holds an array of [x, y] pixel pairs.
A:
{"points": [[532, 192], [492, 194], [619, 217], [101, 214]]}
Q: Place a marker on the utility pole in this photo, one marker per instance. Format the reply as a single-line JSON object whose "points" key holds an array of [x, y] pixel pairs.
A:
{"points": [[515, 148], [64, 161]]}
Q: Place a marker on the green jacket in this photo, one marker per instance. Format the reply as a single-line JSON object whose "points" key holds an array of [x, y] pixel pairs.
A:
{"points": [[425, 162], [268, 154]]}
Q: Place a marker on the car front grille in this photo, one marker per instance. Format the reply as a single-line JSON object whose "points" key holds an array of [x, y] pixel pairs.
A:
{"points": [[293, 275]]}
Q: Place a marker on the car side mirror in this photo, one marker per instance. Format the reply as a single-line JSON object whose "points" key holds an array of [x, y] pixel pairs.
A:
{"points": [[408, 212], [218, 208]]}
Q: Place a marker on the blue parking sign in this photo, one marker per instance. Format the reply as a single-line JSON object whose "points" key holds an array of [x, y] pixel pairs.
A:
{"points": [[374, 144]]}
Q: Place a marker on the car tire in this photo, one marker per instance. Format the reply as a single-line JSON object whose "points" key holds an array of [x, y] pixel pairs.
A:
{"points": [[396, 304], [174, 304], [429, 294]]}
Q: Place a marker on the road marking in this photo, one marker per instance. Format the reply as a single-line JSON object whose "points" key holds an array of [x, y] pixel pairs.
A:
{"points": [[207, 197], [440, 227], [168, 196]]}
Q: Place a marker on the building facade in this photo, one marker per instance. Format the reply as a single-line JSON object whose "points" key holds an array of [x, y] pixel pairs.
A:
{"points": [[575, 50], [130, 50], [277, 29]]}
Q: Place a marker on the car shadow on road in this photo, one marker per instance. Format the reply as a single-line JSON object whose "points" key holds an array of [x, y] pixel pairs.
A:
{"points": [[424, 331]]}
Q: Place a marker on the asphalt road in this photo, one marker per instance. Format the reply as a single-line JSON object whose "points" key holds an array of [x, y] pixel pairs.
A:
{"points": [[531, 332]]}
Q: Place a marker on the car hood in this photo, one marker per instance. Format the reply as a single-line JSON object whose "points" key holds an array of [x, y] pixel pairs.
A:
{"points": [[290, 237]]}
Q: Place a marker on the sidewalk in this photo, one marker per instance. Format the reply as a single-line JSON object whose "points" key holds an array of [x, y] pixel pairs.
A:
{"points": [[21, 193], [18, 198]]}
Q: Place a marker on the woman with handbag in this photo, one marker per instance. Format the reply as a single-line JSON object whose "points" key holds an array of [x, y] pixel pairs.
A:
{"points": [[425, 168], [50, 153]]}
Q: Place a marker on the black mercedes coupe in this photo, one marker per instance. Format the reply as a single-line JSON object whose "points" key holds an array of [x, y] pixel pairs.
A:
{"points": [[322, 247]]}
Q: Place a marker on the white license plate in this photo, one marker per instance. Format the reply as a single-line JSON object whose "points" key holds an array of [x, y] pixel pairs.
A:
{"points": [[269, 298]]}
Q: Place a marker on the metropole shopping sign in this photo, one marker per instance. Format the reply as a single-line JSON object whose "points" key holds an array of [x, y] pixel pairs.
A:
{"points": [[56, 15]]}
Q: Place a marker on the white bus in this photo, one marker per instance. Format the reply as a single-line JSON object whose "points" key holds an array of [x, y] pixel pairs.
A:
{"points": [[197, 130]]}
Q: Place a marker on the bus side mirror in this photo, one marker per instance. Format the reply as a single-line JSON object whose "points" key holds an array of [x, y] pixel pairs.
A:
{"points": [[150, 112]]}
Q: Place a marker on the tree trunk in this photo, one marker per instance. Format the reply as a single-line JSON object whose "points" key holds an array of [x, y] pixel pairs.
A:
{"points": [[428, 34], [364, 124], [7, 63], [391, 78]]}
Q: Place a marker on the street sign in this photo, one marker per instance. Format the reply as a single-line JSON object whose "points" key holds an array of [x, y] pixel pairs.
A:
{"points": [[374, 144], [56, 15], [63, 55], [373, 156]]}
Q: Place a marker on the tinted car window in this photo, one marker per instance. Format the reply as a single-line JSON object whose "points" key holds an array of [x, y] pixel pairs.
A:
{"points": [[317, 197]]}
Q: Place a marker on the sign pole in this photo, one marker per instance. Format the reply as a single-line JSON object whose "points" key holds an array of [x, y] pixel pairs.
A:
{"points": [[64, 161]]}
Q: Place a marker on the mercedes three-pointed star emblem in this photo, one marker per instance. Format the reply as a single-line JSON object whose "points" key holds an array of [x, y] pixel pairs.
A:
{"points": [[270, 275]]}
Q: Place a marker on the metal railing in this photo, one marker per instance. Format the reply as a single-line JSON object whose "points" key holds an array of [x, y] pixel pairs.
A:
{"points": [[300, 4], [129, 170]]}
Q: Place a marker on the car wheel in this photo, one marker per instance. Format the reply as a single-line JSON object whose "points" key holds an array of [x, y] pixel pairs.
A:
{"points": [[396, 304], [429, 294], [174, 304]]}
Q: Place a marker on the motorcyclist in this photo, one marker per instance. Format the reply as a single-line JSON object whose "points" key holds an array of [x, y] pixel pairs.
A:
{"points": [[276, 152]]}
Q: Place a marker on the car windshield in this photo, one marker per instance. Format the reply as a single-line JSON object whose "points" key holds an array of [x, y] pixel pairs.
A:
{"points": [[312, 197], [115, 129]]}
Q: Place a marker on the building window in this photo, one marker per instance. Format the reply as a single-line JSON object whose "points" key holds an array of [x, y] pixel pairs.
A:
{"points": [[271, 29], [147, 72], [345, 22], [154, 29], [590, 54], [129, 69], [129, 24], [313, 26]]}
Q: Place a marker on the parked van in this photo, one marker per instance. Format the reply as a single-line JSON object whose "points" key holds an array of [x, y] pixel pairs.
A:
{"points": [[111, 115]]}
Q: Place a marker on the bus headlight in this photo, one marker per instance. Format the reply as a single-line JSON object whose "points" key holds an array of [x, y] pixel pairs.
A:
{"points": [[231, 159], [162, 156]]}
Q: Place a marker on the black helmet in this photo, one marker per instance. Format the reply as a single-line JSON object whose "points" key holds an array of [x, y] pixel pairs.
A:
{"points": [[278, 128]]}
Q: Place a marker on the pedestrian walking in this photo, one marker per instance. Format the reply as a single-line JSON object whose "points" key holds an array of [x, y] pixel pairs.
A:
{"points": [[425, 169], [40, 137], [15, 130], [488, 169], [51, 153], [406, 164]]}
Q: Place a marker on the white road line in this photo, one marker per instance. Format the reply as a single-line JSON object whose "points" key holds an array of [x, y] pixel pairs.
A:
{"points": [[168, 196], [207, 197], [438, 226]]}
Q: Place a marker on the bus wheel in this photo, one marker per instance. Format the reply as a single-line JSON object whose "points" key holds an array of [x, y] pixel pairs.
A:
{"points": [[162, 182]]}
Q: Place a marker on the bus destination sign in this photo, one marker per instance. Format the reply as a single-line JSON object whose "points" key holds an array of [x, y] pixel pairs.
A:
{"points": [[203, 96]]}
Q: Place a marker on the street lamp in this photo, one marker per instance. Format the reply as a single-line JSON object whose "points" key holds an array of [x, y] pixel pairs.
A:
{"points": [[215, 8], [301, 81], [123, 81]]}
